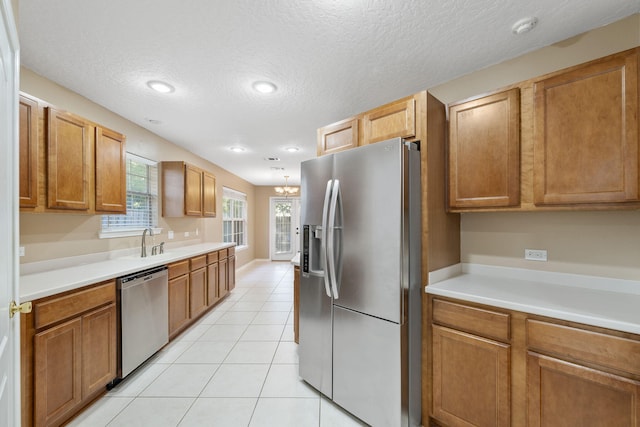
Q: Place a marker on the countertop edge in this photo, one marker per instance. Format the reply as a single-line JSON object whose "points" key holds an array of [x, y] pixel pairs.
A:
{"points": [[44, 284], [476, 284]]}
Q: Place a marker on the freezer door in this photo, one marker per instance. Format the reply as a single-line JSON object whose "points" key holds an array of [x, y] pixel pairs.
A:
{"points": [[315, 344], [372, 181], [315, 322], [367, 368], [315, 174]]}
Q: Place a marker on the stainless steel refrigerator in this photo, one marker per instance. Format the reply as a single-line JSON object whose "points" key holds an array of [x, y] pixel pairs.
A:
{"points": [[360, 291]]}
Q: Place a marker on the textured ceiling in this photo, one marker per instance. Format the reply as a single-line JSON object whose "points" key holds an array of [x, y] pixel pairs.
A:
{"points": [[329, 58]]}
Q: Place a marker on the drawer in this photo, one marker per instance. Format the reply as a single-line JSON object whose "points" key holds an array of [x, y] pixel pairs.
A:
{"points": [[178, 268], [212, 257], [486, 323], [198, 262], [588, 346], [222, 253], [231, 251], [60, 308]]}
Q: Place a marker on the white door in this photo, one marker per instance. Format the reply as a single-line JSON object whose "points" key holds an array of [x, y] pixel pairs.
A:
{"points": [[9, 329], [284, 227]]}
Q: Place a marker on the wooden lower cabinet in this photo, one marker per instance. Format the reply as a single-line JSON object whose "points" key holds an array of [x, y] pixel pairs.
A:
{"points": [[68, 353], [231, 273], [547, 372], [560, 393], [57, 379], [223, 284], [99, 343], [198, 291], [213, 293], [196, 285], [179, 315], [471, 379]]}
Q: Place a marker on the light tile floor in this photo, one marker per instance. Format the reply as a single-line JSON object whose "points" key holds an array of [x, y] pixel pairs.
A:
{"points": [[238, 366]]}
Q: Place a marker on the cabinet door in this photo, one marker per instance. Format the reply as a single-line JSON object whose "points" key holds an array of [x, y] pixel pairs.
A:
{"points": [[178, 303], [58, 372], [231, 273], [471, 380], [111, 172], [223, 284], [560, 393], [484, 151], [397, 119], [99, 352], [213, 293], [192, 191], [338, 136], [69, 161], [208, 194], [586, 134], [28, 152], [197, 291]]}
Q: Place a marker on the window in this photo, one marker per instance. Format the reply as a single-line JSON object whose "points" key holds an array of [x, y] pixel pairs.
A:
{"points": [[234, 217], [142, 199]]}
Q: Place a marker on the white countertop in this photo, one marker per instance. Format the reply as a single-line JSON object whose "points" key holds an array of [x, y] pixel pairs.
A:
{"points": [[51, 282], [596, 301], [296, 260]]}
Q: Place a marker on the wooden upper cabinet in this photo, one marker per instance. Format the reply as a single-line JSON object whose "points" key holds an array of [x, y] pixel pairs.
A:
{"points": [[586, 133], [69, 163], [28, 152], [111, 172], [397, 119], [187, 191], [208, 194], [192, 191], [338, 136], [484, 151]]}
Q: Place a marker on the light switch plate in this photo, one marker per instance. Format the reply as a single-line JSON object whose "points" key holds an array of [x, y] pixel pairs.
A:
{"points": [[21, 250], [170, 234]]}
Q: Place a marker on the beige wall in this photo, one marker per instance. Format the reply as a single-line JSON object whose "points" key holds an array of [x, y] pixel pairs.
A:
{"points": [[49, 236], [598, 243]]}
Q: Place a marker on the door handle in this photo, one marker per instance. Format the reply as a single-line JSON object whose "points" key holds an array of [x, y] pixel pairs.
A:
{"points": [[323, 243], [331, 252]]}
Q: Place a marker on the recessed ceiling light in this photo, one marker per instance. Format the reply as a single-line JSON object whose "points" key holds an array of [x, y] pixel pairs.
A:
{"points": [[237, 149], [264, 87], [161, 87], [292, 149], [524, 25]]}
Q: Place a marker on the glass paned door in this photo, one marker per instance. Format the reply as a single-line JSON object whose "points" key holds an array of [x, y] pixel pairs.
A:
{"points": [[284, 228]]}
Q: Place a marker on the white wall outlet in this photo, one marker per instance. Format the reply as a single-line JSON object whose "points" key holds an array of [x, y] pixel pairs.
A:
{"points": [[535, 254], [186, 234], [170, 235], [197, 232], [21, 250]]}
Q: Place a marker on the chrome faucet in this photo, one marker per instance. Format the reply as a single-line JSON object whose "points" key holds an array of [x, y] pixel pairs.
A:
{"points": [[143, 253]]}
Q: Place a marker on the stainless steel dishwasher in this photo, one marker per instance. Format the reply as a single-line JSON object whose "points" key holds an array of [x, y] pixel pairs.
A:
{"points": [[144, 316]]}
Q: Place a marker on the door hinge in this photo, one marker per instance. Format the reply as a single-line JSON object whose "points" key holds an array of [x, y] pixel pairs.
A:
{"points": [[14, 308]]}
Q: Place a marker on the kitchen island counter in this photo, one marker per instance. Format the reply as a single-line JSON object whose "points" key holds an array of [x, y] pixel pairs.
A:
{"points": [[51, 281], [596, 301]]}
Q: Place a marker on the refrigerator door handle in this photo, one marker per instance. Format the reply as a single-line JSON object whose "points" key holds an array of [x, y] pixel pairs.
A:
{"points": [[331, 249], [323, 250]]}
